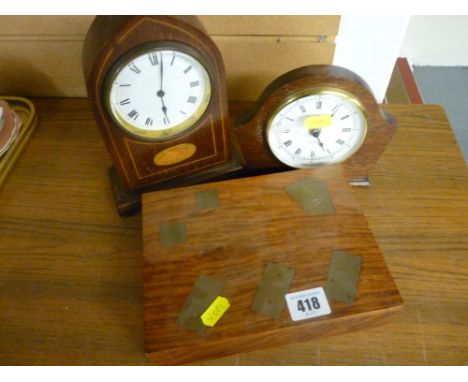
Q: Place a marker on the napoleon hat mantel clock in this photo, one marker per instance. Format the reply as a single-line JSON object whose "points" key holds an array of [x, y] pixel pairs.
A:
{"points": [[156, 86], [315, 116]]}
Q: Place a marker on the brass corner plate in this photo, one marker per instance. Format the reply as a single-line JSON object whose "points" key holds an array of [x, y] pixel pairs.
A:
{"points": [[343, 277], [172, 233], [203, 293], [269, 300], [207, 199], [312, 196]]}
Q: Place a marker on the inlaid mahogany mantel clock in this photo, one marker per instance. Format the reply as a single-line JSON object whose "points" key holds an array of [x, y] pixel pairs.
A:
{"points": [[156, 86]]}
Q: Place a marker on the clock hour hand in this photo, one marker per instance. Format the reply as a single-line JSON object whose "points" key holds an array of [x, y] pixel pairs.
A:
{"points": [[316, 134], [160, 94], [164, 109]]}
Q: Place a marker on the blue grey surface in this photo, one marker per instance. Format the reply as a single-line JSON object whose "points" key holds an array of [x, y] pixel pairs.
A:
{"points": [[448, 87]]}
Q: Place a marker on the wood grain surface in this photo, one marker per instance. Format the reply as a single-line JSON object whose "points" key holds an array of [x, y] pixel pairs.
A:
{"points": [[71, 269], [30, 43], [256, 223]]}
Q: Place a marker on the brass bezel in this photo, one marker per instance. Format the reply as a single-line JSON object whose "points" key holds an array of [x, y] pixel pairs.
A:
{"points": [[325, 90], [163, 134]]}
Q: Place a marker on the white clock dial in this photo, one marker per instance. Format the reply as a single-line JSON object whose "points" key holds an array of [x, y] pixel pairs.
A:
{"points": [[317, 129], [159, 93]]}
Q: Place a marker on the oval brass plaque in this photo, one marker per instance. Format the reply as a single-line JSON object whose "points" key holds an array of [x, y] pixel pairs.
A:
{"points": [[174, 154]]}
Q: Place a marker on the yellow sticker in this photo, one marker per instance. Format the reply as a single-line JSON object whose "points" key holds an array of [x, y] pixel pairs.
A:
{"points": [[318, 121], [215, 311]]}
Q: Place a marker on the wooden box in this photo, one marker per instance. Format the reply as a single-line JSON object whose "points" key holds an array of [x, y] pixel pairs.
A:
{"points": [[255, 221]]}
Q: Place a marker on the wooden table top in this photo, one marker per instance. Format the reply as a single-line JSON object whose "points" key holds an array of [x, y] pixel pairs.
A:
{"points": [[71, 268]]}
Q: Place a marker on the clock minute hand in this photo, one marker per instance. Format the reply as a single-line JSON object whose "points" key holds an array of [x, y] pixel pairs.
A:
{"points": [[161, 71], [334, 110]]}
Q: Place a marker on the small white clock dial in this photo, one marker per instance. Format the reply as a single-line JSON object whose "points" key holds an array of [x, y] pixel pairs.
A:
{"points": [[159, 93], [315, 129]]}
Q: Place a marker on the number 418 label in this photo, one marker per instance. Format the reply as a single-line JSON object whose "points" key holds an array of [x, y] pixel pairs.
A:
{"points": [[306, 304]]}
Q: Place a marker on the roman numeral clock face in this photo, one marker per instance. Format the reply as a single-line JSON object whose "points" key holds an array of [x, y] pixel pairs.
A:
{"points": [[317, 129], [158, 93]]}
